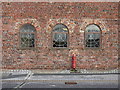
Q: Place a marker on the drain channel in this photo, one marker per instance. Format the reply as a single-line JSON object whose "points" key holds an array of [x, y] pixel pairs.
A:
{"points": [[70, 82]]}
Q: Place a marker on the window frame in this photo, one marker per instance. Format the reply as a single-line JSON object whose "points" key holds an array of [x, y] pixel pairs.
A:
{"points": [[100, 41], [35, 37], [67, 34]]}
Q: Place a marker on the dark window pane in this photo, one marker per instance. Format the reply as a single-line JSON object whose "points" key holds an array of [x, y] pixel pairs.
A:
{"points": [[60, 28], [60, 40], [24, 40], [92, 43], [59, 44], [27, 28], [27, 36], [27, 40], [92, 36], [92, 28], [60, 36]]}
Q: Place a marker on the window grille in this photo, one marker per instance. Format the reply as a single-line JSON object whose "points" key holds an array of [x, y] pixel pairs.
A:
{"points": [[92, 36], [60, 36], [27, 36]]}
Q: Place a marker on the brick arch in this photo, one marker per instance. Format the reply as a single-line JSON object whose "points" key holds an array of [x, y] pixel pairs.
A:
{"points": [[61, 24], [67, 22], [20, 22], [97, 22]]}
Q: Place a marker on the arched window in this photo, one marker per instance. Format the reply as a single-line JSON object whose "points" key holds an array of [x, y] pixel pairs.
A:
{"points": [[92, 36], [27, 36], [60, 36]]}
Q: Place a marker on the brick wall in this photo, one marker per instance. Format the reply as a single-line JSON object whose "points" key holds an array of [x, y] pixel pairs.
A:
{"points": [[44, 16]]}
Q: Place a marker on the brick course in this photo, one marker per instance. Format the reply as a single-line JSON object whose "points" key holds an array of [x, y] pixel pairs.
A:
{"points": [[44, 16]]}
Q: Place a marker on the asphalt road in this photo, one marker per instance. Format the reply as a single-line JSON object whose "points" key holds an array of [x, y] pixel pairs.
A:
{"points": [[58, 81]]}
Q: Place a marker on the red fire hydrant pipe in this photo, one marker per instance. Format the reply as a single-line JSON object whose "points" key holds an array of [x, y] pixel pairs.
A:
{"points": [[73, 61]]}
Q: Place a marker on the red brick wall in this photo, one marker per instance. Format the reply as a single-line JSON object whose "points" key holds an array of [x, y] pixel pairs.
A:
{"points": [[44, 16]]}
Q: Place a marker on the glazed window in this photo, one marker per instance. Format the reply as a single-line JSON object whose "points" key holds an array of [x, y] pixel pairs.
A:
{"points": [[27, 36], [60, 36], [92, 36]]}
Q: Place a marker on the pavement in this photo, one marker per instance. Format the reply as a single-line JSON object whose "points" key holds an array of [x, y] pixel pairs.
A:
{"points": [[29, 79], [16, 79]]}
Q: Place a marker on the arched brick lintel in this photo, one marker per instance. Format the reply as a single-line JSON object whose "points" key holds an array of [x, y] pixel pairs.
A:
{"points": [[20, 22], [67, 22], [98, 22]]}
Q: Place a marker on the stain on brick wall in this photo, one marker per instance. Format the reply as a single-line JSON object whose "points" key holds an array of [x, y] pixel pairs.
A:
{"points": [[44, 16]]}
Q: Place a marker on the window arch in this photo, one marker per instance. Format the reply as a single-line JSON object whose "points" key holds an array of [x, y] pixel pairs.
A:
{"points": [[92, 36], [60, 36], [27, 36]]}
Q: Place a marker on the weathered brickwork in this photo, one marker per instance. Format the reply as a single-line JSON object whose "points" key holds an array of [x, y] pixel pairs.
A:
{"points": [[44, 16]]}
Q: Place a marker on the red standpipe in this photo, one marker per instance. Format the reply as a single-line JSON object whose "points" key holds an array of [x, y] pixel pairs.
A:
{"points": [[73, 61]]}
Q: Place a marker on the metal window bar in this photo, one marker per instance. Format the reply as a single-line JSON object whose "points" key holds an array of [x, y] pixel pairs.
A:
{"points": [[27, 36], [92, 39], [60, 36]]}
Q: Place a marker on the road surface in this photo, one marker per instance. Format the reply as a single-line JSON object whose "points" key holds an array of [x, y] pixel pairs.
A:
{"points": [[59, 81]]}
